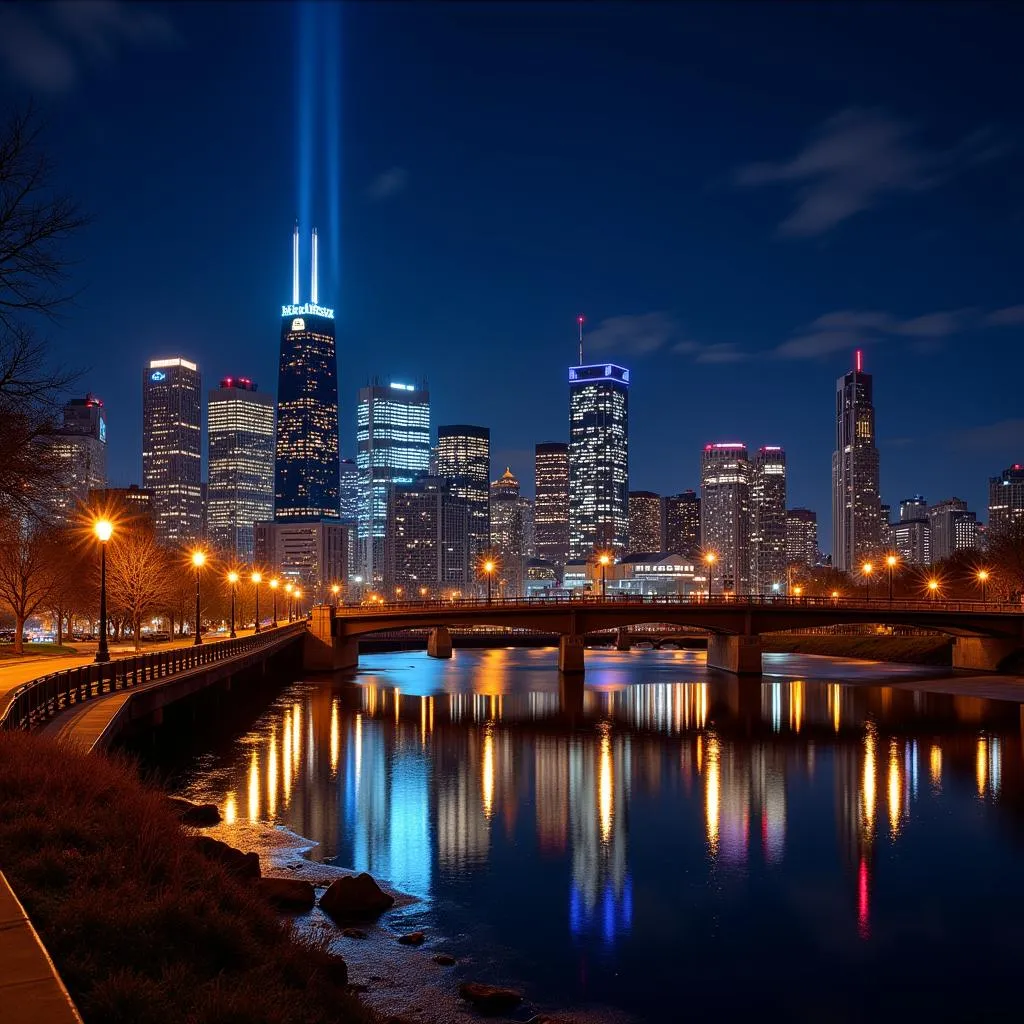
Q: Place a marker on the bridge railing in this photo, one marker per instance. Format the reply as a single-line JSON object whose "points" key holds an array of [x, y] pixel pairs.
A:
{"points": [[40, 699], [872, 603]]}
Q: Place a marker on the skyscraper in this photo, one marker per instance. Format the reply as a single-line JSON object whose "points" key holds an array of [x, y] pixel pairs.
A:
{"points": [[645, 524], [512, 532], [682, 523], [172, 412], [912, 540], [953, 528], [464, 458], [551, 502], [80, 449], [307, 469], [801, 537], [856, 508], [348, 491], [913, 508], [393, 446], [1006, 497], [240, 464], [768, 518], [725, 515], [598, 459]]}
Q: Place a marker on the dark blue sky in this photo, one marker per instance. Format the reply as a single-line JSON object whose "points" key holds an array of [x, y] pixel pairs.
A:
{"points": [[735, 195]]}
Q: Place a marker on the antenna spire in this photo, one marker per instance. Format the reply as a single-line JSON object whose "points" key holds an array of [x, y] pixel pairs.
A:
{"points": [[859, 357], [579, 321], [295, 265], [313, 295]]}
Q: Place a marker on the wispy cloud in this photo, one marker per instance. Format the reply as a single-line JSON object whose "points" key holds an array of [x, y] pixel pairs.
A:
{"points": [[1006, 436], [388, 183], [632, 335], [856, 160], [1011, 316], [47, 46], [723, 352]]}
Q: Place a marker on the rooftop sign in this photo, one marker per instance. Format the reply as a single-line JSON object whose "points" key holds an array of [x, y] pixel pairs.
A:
{"points": [[307, 309]]}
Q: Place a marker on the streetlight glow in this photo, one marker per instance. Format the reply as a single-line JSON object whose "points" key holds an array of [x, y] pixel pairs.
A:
{"points": [[257, 578], [232, 577], [199, 559], [104, 529]]}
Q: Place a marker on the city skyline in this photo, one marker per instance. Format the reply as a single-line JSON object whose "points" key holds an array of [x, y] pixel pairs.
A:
{"points": [[922, 308]]}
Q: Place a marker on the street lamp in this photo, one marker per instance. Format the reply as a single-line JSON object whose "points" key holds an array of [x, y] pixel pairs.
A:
{"points": [[709, 559], [274, 584], [288, 588], [983, 580], [335, 590], [398, 593], [423, 592], [835, 595], [233, 580], [104, 530], [933, 588], [298, 609], [605, 560], [797, 590], [489, 572], [198, 560], [257, 579], [867, 568], [890, 562]]}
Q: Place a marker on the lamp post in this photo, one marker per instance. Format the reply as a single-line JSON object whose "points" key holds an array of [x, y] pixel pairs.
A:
{"points": [[489, 572], [604, 559], [709, 560], [797, 590], [198, 560], [335, 589], [104, 530], [288, 588], [983, 580], [890, 563], [933, 588], [298, 608], [423, 593], [274, 584], [399, 591], [257, 579], [233, 580], [867, 568]]}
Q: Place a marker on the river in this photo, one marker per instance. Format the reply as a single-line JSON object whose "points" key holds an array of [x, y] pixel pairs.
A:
{"points": [[822, 842]]}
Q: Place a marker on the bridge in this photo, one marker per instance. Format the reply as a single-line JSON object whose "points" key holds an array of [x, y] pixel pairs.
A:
{"points": [[986, 633]]}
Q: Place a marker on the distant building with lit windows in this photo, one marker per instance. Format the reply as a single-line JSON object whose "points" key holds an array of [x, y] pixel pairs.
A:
{"points": [[172, 415], [464, 458], [911, 540], [598, 459], [768, 519], [645, 522], [801, 537], [725, 515], [682, 523], [312, 554], [240, 465], [551, 501], [392, 447], [348, 491], [512, 533], [79, 447], [1006, 497]]}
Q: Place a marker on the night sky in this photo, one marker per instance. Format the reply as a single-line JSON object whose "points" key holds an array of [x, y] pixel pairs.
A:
{"points": [[736, 196]]}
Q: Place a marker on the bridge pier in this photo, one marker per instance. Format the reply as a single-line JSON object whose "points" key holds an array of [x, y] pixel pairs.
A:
{"points": [[740, 655], [622, 640], [570, 653], [982, 653], [439, 642], [322, 651]]}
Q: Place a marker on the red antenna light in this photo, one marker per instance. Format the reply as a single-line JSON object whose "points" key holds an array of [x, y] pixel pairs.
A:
{"points": [[859, 356]]}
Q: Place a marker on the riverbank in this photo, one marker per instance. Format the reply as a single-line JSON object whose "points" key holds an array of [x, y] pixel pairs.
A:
{"points": [[143, 928], [911, 650]]}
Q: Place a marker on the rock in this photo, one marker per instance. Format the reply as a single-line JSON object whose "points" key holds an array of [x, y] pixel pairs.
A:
{"points": [[288, 893], [244, 866], [353, 933], [355, 896], [331, 966], [189, 813], [489, 998], [412, 939], [445, 959]]}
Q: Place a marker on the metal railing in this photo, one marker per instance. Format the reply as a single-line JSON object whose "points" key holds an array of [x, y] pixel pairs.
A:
{"points": [[872, 604], [38, 700]]}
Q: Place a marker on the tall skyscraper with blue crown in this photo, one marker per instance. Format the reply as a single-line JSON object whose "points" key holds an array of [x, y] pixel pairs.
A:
{"points": [[307, 465]]}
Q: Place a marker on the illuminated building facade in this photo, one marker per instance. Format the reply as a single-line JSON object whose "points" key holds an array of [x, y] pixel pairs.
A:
{"points": [[79, 448], [512, 533], [240, 461], [172, 412], [598, 459], [313, 554], [856, 506], [1006, 497], [801, 537], [725, 515], [645, 522], [307, 467], [911, 539], [348, 491], [682, 523], [464, 458], [393, 447], [427, 537], [768, 519], [551, 501]]}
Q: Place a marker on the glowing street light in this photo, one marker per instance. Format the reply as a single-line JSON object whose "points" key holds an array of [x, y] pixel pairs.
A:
{"points": [[423, 592], [257, 579], [709, 560], [797, 590], [867, 569], [298, 607], [890, 563], [835, 594], [933, 588], [198, 561], [489, 568], [983, 580], [104, 530], [605, 559], [274, 584], [335, 590], [233, 580]]}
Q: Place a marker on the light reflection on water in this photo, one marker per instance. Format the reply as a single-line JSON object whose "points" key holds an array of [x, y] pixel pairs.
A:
{"points": [[608, 830]]}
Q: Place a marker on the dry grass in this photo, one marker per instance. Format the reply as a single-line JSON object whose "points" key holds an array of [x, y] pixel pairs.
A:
{"points": [[143, 929], [915, 650]]}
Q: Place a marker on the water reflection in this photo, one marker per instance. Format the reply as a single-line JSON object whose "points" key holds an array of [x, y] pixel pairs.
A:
{"points": [[585, 789]]}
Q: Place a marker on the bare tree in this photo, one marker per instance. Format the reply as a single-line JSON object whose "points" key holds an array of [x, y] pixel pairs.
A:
{"points": [[28, 554], [138, 578], [75, 578], [35, 222], [1005, 559]]}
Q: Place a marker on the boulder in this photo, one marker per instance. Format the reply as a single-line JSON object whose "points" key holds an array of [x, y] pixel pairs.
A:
{"points": [[412, 939], [244, 866], [288, 893], [444, 959], [489, 998], [355, 896], [198, 815]]}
